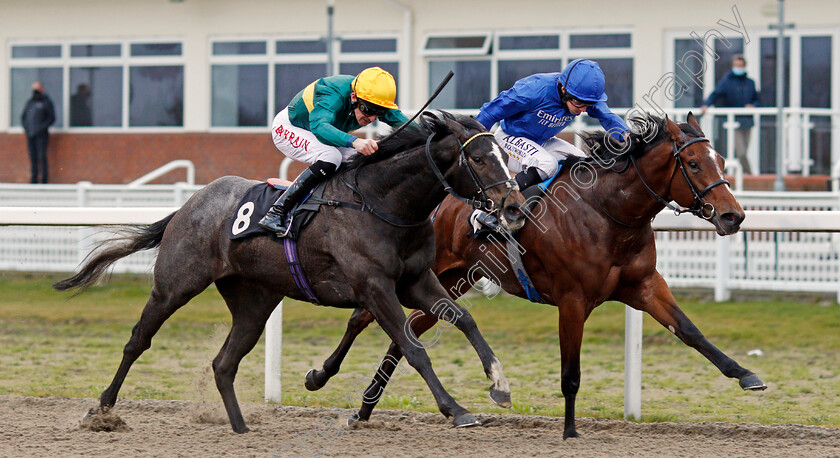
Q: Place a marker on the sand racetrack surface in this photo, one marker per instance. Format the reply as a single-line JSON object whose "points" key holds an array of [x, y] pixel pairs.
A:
{"points": [[52, 427]]}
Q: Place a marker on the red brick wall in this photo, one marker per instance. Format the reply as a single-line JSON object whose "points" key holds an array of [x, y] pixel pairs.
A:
{"points": [[121, 158]]}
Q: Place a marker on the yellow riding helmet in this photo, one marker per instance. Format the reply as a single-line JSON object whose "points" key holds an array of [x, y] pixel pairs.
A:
{"points": [[376, 86]]}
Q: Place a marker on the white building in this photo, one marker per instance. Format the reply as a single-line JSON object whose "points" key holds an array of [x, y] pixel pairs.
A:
{"points": [[223, 67]]}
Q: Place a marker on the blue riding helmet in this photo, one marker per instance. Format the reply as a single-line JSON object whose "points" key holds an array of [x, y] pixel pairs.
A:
{"points": [[584, 79]]}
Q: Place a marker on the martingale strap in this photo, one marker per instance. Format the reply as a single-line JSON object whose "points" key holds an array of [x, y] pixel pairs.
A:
{"points": [[522, 277], [297, 271]]}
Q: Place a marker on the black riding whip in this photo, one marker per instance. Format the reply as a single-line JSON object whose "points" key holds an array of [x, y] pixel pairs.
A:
{"points": [[434, 94]]}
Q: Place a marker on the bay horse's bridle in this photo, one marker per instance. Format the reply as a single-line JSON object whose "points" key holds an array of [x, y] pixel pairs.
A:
{"points": [[705, 210], [482, 202]]}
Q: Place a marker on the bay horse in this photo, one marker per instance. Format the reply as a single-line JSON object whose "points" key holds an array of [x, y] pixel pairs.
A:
{"points": [[589, 240], [373, 259]]}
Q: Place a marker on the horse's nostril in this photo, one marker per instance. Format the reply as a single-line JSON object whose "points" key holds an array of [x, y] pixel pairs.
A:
{"points": [[732, 218], [513, 211]]}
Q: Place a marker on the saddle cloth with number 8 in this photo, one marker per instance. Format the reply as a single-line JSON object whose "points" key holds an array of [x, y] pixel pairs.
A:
{"points": [[256, 203]]}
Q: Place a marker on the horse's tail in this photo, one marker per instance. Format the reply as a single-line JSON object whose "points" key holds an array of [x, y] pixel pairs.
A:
{"points": [[130, 239]]}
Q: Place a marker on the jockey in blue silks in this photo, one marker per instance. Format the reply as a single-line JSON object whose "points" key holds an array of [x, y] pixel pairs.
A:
{"points": [[536, 109]]}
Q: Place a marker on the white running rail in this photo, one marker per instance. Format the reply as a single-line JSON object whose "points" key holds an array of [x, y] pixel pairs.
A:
{"points": [[164, 169]]}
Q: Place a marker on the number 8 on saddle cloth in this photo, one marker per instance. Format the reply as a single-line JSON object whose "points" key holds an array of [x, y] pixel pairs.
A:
{"points": [[257, 202]]}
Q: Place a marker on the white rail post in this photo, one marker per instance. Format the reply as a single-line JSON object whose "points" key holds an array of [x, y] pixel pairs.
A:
{"points": [[730, 125], [722, 292], [273, 354], [274, 332], [179, 191], [632, 363], [83, 234]]}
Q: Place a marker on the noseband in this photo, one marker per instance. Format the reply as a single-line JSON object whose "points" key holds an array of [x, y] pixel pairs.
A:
{"points": [[482, 201], [699, 208]]}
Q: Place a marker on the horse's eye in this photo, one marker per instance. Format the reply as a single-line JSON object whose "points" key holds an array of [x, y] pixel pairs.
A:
{"points": [[693, 165], [477, 160]]}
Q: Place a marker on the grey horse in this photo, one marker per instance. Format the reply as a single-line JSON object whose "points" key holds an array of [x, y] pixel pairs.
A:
{"points": [[353, 258]]}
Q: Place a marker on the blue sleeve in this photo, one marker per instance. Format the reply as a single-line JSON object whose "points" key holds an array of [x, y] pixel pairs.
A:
{"points": [[610, 121], [719, 89], [507, 104]]}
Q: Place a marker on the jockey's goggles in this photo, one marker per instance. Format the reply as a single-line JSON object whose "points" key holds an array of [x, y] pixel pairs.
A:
{"points": [[369, 109]]}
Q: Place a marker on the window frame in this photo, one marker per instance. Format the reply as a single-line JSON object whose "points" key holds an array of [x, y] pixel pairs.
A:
{"points": [[124, 61], [482, 51]]}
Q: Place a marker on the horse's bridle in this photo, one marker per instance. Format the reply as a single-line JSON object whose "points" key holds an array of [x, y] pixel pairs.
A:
{"points": [[705, 210], [482, 202]]}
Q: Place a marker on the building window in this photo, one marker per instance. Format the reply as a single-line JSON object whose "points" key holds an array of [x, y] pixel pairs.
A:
{"points": [[468, 87], [369, 45], [475, 44], [289, 79], [253, 80], [114, 84], [155, 49], [487, 64], [240, 95], [510, 71], [301, 46], [36, 51], [156, 96], [22, 79], [96, 50], [239, 48], [96, 96], [599, 40], [520, 42]]}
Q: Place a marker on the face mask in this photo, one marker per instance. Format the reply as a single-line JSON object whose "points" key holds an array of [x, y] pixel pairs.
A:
{"points": [[36, 94], [738, 71]]}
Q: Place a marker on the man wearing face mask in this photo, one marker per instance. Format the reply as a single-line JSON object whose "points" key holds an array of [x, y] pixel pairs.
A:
{"points": [[38, 115], [736, 90]]}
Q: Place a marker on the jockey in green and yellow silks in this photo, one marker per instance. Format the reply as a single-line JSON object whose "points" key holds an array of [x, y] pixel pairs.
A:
{"points": [[315, 129]]}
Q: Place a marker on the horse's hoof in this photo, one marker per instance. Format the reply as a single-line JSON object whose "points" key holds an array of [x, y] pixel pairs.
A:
{"points": [[244, 429], [465, 420], [309, 381], [354, 419], [101, 410], [751, 382], [568, 434], [501, 398]]}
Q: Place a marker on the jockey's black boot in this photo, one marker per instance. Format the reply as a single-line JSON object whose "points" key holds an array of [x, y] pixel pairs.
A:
{"points": [[275, 219]]}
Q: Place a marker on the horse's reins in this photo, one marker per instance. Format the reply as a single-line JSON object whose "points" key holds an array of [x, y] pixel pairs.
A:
{"points": [[705, 210], [482, 202]]}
